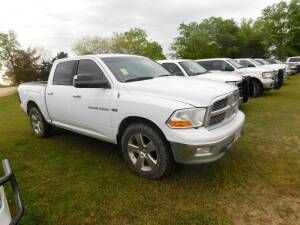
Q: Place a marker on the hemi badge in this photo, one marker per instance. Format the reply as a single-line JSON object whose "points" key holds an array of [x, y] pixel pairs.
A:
{"points": [[114, 110]]}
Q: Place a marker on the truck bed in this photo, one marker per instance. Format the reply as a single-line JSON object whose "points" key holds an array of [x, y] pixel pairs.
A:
{"points": [[36, 83]]}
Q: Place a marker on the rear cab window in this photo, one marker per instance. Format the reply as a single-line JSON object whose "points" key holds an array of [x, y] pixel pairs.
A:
{"points": [[64, 72]]}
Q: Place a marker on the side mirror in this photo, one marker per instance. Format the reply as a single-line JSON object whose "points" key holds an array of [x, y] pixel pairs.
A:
{"points": [[89, 81], [250, 65]]}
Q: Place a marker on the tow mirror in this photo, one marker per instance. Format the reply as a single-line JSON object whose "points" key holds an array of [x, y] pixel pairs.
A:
{"points": [[89, 81], [250, 65], [227, 68]]}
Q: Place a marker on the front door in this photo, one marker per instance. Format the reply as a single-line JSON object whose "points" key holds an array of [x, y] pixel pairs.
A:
{"points": [[91, 107]]}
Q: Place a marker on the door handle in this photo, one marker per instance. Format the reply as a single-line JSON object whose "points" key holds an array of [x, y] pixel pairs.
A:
{"points": [[76, 96], [50, 93]]}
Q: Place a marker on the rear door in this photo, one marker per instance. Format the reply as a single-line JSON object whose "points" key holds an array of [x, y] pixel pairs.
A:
{"points": [[91, 107], [59, 93]]}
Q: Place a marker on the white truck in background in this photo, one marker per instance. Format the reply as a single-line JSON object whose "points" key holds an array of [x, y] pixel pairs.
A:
{"points": [[248, 62], [155, 117], [190, 68], [262, 79]]}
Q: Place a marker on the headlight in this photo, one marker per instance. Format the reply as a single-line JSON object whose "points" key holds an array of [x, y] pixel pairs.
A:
{"points": [[187, 118], [267, 75]]}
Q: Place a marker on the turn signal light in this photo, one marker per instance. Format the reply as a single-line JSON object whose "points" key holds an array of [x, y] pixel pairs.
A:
{"points": [[180, 123]]}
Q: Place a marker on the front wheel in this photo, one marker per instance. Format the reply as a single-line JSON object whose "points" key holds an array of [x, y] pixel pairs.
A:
{"points": [[39, 126], [258, 88], [146, 151]]}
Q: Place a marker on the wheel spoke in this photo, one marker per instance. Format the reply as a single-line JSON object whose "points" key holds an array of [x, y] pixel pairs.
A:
{"points": [[139, 162], [140, 140], [151, 162], [150, 147], [132, 148]]}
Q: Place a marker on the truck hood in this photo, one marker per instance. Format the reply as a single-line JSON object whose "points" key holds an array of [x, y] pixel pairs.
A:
{"points": [[254, 70], [275, 66], [189, 90], [221, 76]]}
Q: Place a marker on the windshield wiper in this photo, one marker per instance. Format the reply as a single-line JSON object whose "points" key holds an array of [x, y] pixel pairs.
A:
{"points": [[166, 75], [138, 79]]}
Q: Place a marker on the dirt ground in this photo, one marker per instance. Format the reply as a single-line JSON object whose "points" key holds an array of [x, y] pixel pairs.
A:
{"points": [[7, 91]]}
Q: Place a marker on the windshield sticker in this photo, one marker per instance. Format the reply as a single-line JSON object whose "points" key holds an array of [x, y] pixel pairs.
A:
{"points": [[124, 71]]}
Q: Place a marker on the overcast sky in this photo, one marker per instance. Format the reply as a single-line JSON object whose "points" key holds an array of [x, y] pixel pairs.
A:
{"points": [[56, 24]]}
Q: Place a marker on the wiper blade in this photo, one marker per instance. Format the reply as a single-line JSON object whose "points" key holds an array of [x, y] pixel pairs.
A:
{"points": [[166, 75], [139, 79]]}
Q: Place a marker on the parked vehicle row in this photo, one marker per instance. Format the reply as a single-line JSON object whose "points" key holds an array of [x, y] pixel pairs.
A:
{"points": [[189, 68], [262, 78], [156, 117]]}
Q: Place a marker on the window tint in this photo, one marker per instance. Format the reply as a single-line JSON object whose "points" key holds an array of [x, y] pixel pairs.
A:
{"points": [[192, 68], [63, 73], [87, 66], [216, 65], [173, 69], [206, 64], [244, 63], [295, 59]]}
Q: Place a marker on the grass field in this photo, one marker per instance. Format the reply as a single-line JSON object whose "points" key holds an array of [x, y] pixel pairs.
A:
{"points": [[71, 179]]}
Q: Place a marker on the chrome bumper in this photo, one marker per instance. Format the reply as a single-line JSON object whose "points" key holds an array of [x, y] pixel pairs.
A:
{"points": [[204, 153]]}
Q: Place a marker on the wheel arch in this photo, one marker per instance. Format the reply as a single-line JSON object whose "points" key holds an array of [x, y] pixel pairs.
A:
{"points": [[31, 104], [136, 119]]}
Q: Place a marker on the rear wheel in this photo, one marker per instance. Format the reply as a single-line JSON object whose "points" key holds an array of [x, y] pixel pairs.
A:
{"points": [[39, 126], [146, 151], [258, 88]]}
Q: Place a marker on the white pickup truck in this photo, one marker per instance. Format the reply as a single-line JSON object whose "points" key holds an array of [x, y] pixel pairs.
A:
{"points": [[262, 79], [190, 68], [132, 101]]}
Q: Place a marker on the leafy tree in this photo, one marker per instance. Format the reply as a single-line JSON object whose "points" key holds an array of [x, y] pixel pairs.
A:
{"points": [[251, 40], [46, 65], [281, 25], [213, 37], [134, 41], [194, 43], [93, 45], [24, 67], [9, 46]]}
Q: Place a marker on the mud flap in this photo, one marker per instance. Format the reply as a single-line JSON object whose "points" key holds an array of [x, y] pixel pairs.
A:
{"points": [[278, 80], [244, 89]]}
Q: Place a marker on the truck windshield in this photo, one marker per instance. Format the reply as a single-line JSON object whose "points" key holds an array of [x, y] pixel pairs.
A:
{"points": [[234, 64], [254, 62], [132, 68], [192, 68], [295, 59]]}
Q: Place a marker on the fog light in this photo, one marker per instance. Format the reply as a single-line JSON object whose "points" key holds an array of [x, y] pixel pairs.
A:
{"points": [[203, 150]]}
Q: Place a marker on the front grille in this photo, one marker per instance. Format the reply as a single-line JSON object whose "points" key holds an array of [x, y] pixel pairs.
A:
{"points": [[219, 104], [223, 109], [216, 119]]}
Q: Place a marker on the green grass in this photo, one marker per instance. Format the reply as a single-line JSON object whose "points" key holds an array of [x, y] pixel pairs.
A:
{"points": [[72, 179]]}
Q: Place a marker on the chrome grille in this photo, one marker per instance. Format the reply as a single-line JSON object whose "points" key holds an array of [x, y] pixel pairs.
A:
{"points": [[216, 119], [219, 104], [223, 109]]}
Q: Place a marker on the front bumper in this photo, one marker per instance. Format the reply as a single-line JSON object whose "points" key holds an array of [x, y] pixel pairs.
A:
{"points": [[217, 143]]}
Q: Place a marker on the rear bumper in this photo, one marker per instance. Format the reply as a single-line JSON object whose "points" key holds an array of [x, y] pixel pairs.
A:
{"points": [[209, 149]]}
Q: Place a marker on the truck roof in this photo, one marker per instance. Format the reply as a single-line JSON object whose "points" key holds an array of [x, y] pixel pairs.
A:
{"points": [[96, 56], [174, 60], [212, 59]]}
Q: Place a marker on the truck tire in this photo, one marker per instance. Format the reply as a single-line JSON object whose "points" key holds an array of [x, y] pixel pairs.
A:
{"points": [[258, 88], [146, 152], [40, 127]]}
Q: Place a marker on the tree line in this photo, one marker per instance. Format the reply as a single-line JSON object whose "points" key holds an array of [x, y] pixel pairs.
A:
{"points": [[276, 33]]}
